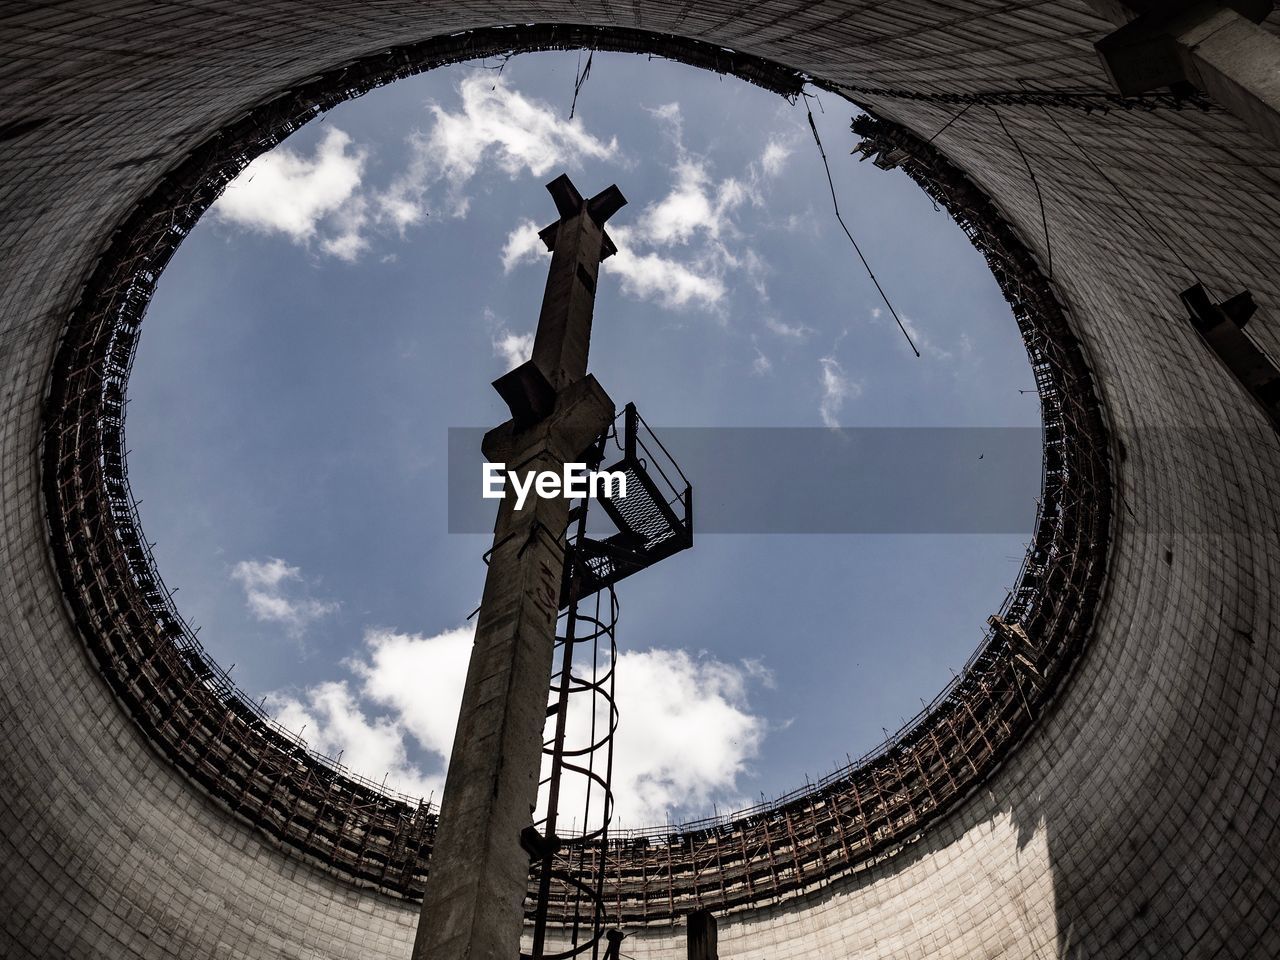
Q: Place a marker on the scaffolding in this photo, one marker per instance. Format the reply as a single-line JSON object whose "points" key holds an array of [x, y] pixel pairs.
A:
{"points": [[190, 709]]}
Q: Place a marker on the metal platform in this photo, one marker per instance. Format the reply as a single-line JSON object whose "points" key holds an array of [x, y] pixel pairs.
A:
{"points": [[652, 522]]}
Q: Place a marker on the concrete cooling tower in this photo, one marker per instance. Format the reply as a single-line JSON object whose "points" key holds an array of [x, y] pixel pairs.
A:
{"points": [[1100, 782]]}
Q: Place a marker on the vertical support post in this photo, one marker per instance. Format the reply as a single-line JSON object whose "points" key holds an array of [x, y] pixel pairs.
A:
{"points": [[614, 949], [479, 872], [701, 936]]}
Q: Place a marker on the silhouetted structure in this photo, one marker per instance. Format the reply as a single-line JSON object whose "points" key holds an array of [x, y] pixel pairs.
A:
{"points": [[542, 559]]}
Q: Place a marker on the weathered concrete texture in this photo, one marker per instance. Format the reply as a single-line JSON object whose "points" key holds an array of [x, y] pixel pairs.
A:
{"points": [[1140, 820], [475, 896], [1218, 49], [475, 892]]}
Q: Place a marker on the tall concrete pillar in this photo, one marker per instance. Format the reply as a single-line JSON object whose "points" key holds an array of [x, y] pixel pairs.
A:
{"points": [[473, 908], [701, 936]]}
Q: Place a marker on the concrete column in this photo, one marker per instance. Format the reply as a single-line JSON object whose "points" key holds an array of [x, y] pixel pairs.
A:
{"points": [[568, 304], [474, 903], [473, 907], [1214, 45], [701, 936], [1237, 63]]}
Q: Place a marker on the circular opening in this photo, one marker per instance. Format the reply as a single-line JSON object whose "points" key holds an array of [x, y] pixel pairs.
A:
{"points": [[351, 296]]}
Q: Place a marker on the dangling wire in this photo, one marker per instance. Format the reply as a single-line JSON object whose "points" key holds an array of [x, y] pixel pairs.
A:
{"points": [[1142, 217], [943, 129], [502, 59], [1044, 220], [580, 79], [836, 206]]}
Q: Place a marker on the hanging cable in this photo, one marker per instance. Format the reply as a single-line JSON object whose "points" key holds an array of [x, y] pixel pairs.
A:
{"points": [[580, 79], [502, 59], [943, 129], [1044, 220], [836, 206], [1124, 197]]}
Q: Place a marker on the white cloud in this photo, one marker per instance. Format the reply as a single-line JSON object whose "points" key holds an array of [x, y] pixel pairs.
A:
{"points": [[405, 691], [659, 770], [671, 284], [695, 204], [420, 679], [671, 119], [792, 331], [774, 158], [350, 221], [495, 124], [513, 348], [680, 249], [330, 719], [663, 695], [522, 134], [271, 587], [644, 274], [836, 389], [285, 192], [668, 112], [523, 245], [321, 198], [762, 364], [346, 246], [923, 341]]}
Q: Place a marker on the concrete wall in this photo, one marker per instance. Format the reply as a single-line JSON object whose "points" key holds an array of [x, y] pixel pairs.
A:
{"points": [[1141, 817]]}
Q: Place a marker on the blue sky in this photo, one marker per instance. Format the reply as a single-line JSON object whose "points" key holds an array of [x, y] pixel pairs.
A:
{"points": [[355, 292]]}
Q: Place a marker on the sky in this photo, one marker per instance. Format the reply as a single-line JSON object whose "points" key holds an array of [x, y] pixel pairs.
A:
{"points": [[353, 294]]}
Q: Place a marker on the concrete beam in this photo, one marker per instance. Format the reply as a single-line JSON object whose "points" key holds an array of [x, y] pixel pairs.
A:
{"points": [[1215, 46], [1121, 12], [1238, 65], [1221, 326]]}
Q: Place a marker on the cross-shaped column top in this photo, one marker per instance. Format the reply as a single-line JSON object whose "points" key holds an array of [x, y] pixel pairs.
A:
{"points": [[578, 243]]}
